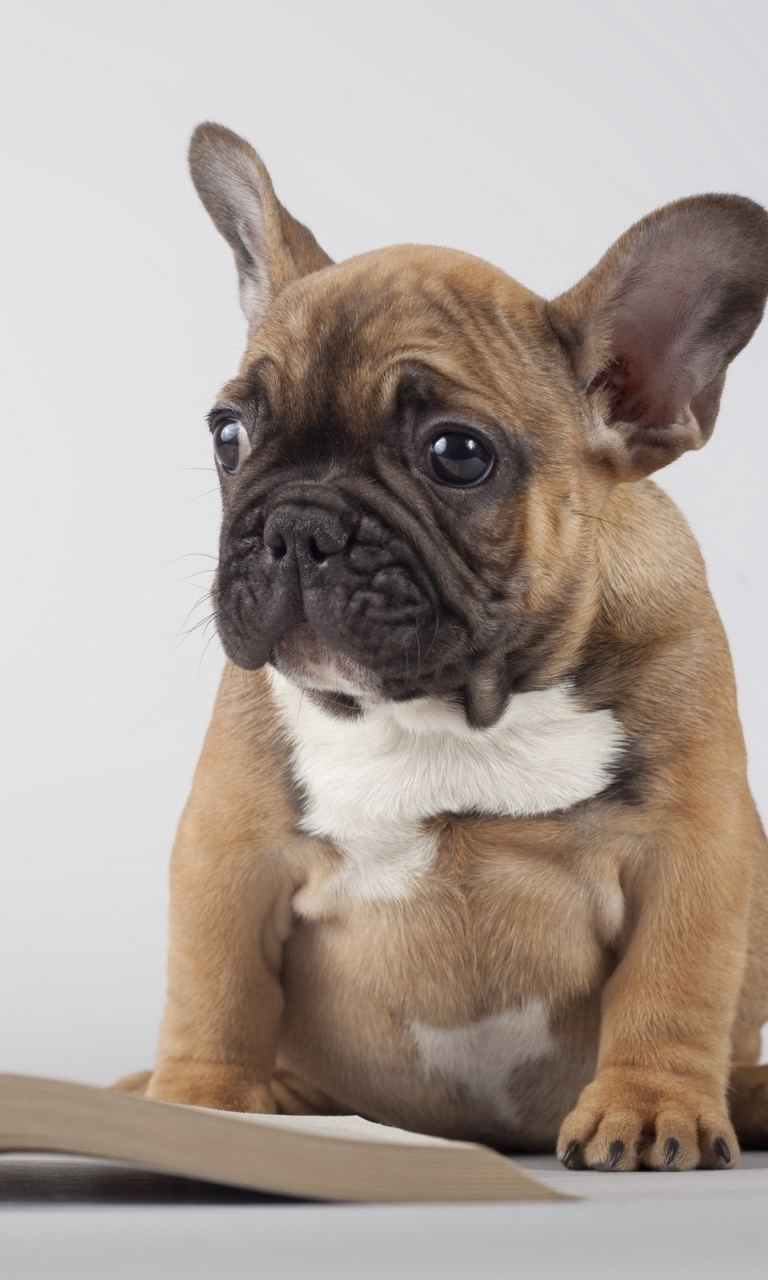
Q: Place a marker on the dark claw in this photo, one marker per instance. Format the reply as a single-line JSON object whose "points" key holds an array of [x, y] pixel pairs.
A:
{"points": [[722, 1150], [570, 1152], [615, 1154], [670, 1151]]}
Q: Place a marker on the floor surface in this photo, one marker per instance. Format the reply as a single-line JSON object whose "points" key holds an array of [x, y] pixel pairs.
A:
{"points": [[86, 1220]]}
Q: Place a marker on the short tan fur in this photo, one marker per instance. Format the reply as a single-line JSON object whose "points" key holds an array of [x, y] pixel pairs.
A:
{"points": [[591, 977]]}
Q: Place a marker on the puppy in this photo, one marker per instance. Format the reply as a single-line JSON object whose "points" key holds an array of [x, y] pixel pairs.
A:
{"points": [[470, 847]]}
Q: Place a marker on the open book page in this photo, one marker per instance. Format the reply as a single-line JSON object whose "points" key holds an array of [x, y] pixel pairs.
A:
{"points": [[316, 1157], [354, 1127]]}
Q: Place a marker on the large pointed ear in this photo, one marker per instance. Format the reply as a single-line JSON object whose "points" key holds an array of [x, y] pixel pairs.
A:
{"points": [[271, 248], [651, 330]]}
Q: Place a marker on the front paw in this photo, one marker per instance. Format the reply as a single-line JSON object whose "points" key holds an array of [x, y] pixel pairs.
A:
{"points": [[136, 1083], [630, 1119], [209, 1084]]}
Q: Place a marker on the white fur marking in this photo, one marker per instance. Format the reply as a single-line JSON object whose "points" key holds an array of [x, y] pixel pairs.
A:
{"points": [[611, 906], [371, 782], [482, 1056]]}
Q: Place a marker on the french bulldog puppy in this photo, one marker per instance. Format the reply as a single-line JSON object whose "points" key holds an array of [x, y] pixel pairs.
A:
{"points": [[470, 847]]}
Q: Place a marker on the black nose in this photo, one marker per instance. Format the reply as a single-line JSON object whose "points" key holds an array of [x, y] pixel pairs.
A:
{"points": [[311, 535]]}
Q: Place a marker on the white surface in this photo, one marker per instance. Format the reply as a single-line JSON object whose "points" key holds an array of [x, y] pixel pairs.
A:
{"points": [[749, 1179], [635, 1225], [531, 132]]}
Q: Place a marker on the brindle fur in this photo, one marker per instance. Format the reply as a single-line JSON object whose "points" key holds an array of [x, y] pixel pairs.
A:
{"points": [[564, 571]]}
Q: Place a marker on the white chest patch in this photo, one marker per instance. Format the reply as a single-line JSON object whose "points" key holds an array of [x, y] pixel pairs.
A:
{"points": [[481, 1057], [371, 782]]}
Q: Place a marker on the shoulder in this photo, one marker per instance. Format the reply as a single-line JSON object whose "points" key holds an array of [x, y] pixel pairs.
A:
{"points": [[652, 574]]}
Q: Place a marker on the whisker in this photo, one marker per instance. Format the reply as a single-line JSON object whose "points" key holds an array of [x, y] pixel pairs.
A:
{"points": [[211, 637], [180, 637], [185, 556], [197, 627], [199, 496], [177, 471], [204, 599], [434, 636], [589, 515]]}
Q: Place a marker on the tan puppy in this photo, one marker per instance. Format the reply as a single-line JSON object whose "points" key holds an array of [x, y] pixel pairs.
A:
{"points": [[470, 847]]}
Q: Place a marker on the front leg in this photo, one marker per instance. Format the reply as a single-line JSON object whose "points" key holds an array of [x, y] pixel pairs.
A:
{"points": [[658, 1099], [232, 880]]}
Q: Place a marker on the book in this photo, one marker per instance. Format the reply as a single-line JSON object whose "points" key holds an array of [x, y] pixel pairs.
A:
{"points": [[307, 1157]]}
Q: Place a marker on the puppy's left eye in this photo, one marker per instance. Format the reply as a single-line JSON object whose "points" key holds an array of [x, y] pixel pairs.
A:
{"points": [[457, 459], [231, 445]]}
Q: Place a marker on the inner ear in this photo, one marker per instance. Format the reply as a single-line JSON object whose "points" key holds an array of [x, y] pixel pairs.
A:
{"points": [[271, 248], [651, 330]]}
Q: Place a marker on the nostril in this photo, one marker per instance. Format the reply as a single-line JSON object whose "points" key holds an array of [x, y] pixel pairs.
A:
{"points": [[276, 545], [315, 552], [309, 535]]}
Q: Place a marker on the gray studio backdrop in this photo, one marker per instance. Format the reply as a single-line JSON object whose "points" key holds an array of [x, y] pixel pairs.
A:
{"points": [[529, 132]]}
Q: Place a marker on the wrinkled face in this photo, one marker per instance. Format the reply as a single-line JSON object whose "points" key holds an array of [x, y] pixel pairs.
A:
{"points": [[416, 453], [404, 487]]}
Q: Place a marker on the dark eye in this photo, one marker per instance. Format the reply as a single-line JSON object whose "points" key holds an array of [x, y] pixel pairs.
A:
{"points": [[231, 445], [458, 459]]}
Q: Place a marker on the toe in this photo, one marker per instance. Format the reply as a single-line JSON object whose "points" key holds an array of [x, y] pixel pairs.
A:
{"points": [[718, 1143], [575, 1132], [675, 1146], [135, 1083], [615, 1145], [572, 1157]]}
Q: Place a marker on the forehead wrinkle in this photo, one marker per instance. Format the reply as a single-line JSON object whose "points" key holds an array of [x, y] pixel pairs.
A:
{"points": [[408, 296], [374, 370], [333, 342]]}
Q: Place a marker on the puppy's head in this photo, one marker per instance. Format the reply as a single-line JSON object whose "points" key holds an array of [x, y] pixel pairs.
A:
{"points": [[413, 447]]}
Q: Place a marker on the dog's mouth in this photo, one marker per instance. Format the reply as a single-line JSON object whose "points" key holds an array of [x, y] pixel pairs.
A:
{"points": [[310, 662], [333, 597], [344, 598]]}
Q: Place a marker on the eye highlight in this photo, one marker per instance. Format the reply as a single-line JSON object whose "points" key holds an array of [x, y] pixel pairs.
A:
{"points": [[457, 459], [230, 445]]}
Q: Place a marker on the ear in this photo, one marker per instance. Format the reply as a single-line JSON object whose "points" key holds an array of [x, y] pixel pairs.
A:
{"points": [[271, 248], [651, 330]]}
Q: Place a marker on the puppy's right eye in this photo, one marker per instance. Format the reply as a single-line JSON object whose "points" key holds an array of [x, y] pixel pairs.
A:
{"points": [[459, 460], [231, 445]]}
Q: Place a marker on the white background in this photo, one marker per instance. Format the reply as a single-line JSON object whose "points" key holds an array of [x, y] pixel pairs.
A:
{"points": [[531, 134]]}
